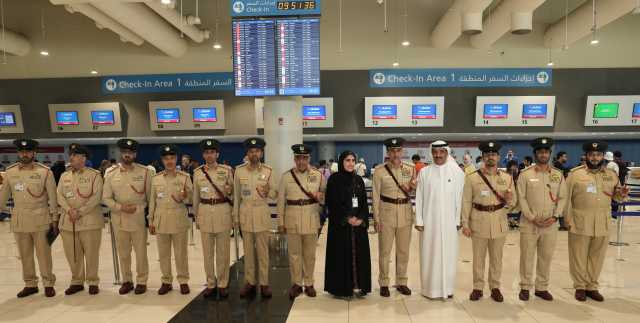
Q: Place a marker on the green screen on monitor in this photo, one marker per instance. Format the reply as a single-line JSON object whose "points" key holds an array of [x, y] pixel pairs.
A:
{"points": [[606, 110]]}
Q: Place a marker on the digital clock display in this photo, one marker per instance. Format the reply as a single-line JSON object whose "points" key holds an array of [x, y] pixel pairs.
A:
{"points": [[296, 5]]}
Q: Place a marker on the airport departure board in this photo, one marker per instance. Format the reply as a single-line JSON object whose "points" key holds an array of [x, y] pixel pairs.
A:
{"points": [[298, 51], [254, 57]]}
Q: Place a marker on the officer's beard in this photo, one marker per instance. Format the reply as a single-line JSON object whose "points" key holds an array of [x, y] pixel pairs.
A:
{"points": [[26, 160], [591, 165]]}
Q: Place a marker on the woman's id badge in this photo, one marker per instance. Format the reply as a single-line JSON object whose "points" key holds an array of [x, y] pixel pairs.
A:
{"points": [[354, 202]]}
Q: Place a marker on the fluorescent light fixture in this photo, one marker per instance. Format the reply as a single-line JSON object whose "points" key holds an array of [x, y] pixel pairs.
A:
{"points": [[395, 64], [217, 45], [406, 43], [44, 52], [550, 63], [94, 72], [594, 41], [165, 1]]}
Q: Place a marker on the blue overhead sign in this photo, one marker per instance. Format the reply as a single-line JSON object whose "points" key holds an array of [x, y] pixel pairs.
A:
{"points": [[193, 82], [460, 77], [268, 8]]}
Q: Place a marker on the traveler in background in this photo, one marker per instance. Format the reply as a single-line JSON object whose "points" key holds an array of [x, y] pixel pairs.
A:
{"points": [[623, 166], [467, 163], [186, 165], [561, 160], [361, 168], [104, 165], [57, 169], [324, 170], [416, 161], [510, 156], [608, 156], [528, 161], [333, 166]]}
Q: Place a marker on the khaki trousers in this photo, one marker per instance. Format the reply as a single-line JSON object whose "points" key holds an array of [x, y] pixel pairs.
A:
{"points": [[180, 253], [480, 247], [302, 257], [538, 246], [256, 243], [27, 242], [84, 265], [586, 257], [125, 241], [402, 237], [216, 246]]}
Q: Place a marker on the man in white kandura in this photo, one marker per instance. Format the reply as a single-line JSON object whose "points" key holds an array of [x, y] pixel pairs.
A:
{"points": [[438, 205]]}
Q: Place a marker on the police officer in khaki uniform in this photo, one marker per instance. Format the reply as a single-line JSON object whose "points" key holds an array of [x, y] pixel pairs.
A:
{"points": [[81, 221], [254, 188], [591, 188], [212, 205], [35, 213], [542, 193], [127, 187], [171, 190], [393, 183], [299, 196], [487, 197]]}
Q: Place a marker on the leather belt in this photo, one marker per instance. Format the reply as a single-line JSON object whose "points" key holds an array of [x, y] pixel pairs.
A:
{"points": [[394, 201], [301, 202], [213, 201], [488, 208]]}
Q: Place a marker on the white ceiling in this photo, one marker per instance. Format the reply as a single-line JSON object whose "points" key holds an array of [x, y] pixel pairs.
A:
{"points": [[77, 46]]}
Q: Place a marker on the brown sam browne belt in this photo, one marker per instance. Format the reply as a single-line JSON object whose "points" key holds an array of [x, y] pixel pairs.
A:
{"points": [[488, 208], [213, 201], [394, 201], [301, 202]]}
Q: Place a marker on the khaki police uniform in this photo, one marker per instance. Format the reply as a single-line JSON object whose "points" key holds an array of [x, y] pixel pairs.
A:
{"points": [[541, 195], [588, 214], [168, 214], [488, 228], [215, 220], [392, 209], [124, 186], [300, 216], [33, 190], [254, 215], [81, 190]]}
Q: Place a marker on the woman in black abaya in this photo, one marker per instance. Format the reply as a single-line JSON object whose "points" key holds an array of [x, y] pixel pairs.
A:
{"points": [[348, 261]]}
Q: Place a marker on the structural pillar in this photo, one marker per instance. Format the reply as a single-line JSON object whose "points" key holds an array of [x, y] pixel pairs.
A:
{"points": [[282, 129], [327, 150]]}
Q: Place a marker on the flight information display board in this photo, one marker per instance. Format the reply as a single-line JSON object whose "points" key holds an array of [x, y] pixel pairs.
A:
{"points": [[515, 111], [298, 50], [416, 111], [10, 119], [612, 110], [254, 57]]}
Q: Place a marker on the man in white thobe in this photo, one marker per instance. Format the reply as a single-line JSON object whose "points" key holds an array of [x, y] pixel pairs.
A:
{"points": [[438, 205]]}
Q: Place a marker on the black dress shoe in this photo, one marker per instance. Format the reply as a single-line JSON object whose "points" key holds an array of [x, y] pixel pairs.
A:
{"points": [[384, 292], [248, 291], [265, 291], [164, 289], [27, 291], [49, 292], [404, 290], [295, 291], [310, 291], [496, 295], [73, 289], [140, 289], [94, 289], [184, 289], [223, 292], [544, 294], [595, 295], [475, 295], [581, 295], [126, 288], [524, 295], [209, 292]]}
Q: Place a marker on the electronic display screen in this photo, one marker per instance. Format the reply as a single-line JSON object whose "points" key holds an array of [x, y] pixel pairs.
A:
{"points": [[7, 119], [496, 111], [534, 111], [423, 111], [67, 118], [606, 110], [171, 115], [298, 63], [205, 114], [636, 111], [314, 112], [254, 56], [102, 117], [386, 111]]}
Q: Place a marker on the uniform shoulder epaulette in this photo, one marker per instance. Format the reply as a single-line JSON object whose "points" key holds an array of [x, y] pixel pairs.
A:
{"points": [[41, 165], [241, 166], [266, 166], [110, 169], [93, 170], [527, 168], [141, 166], [316, 170], [11, 166], [578, 167], [408, 164], [553, 168], [612, 171], [199, 167], [183, 173], [226, 166], [160, 173], [380, 165]]}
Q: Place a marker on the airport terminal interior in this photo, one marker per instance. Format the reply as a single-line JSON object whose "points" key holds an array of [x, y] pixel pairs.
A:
{"points": [[309, 161]]}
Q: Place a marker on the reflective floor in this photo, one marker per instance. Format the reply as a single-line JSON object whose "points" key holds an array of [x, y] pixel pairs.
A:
{"points": [[620, 282]]}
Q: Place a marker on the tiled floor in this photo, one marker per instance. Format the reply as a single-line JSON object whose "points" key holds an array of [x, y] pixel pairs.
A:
{"points": [[620, 285]]}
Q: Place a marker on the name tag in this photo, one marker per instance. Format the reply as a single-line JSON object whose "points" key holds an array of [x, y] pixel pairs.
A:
{"points": [[591, 188], [354, 202], [204, 189], [484, 193], [69, 194], [534, 180], [19, 187], [160, 195]]}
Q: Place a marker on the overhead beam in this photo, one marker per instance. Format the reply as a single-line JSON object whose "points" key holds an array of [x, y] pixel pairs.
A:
{"points": [[498, 23], [449, 27]]}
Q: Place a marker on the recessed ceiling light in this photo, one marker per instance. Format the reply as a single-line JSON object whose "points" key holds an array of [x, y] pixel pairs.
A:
{"points": [[44, 52], [217, 45], [165, 1], [550, 63], [406, 43], [594, 41], [94, 72], [396, 64]]}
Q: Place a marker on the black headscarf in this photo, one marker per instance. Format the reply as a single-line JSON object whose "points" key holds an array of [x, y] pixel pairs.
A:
{"points": [[341, 159]]}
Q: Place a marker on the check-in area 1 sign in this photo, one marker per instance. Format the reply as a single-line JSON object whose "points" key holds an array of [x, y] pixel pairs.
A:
{"points": [[461, 77], [191, 82]]}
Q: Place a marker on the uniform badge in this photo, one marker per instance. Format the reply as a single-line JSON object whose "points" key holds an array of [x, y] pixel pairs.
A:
{"points": [[167, 148], [554, 178], [262, 176], [594, 145], [491, 144], [313, 178], [607, 178], [35, 176], [23, 143], [208, 142], [501, 181], [544, 141], [253, 142]]}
